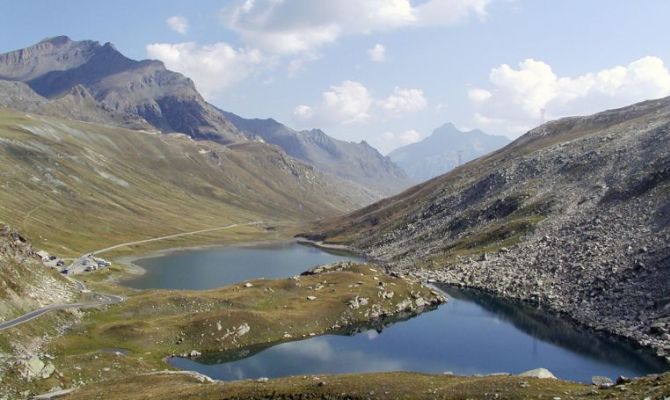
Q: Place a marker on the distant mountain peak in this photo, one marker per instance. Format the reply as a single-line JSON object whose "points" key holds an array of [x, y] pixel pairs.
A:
{"points": [[444, 150], [448, 126], [56, 40], [356, 162]]}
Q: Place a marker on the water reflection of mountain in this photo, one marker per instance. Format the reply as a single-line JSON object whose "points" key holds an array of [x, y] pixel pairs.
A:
{"points": [[562, 332]]}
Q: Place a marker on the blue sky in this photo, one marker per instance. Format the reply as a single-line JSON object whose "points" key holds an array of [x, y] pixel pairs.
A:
{"points": [[384, 71]]}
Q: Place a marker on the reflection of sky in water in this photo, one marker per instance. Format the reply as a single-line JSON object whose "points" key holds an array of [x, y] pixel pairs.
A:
{"points": [[462, 336], [317, 355]]}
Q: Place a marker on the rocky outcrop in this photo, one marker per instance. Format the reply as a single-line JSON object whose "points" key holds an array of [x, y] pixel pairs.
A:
{"points": [[25, 283]]}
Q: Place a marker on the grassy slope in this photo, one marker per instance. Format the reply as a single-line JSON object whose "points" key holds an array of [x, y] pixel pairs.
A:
{"points": [[151, 325], [73, 187], [395, 385]]}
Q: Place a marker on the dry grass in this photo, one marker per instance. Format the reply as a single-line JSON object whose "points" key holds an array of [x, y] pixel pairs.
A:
{"points": [[393, 385]]}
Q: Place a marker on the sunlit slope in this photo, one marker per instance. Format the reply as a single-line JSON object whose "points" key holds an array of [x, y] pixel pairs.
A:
{"points": [[72, 186]]}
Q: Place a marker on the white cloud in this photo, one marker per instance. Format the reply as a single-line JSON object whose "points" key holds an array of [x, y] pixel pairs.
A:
{"points": [[292, 26], [289, 33], [346, 103], [519, 97], [449, 12], [351, 102], [377, 53], [403, 101], [178, 24], [479, 95], [213, 68], [388, 141]]}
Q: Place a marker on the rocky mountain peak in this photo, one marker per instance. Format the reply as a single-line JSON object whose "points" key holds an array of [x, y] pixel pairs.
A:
{"points": [[134, 90], [55, 40]]}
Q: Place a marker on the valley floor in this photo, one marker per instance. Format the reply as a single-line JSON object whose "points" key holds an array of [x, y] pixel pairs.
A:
{"points": [[119, 351]]}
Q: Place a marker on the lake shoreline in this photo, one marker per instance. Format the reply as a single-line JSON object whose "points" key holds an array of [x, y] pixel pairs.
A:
{"points": [[134, 270]]}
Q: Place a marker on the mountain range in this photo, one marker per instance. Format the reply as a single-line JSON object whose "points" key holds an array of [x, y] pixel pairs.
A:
{"points": [[445, 149], [87, 81], [357, 162]]}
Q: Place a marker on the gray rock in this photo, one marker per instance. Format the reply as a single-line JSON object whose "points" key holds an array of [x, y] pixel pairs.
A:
{"points": [[243, 329], [602, 381], [540, 373], [48, 370], [31, 368]]}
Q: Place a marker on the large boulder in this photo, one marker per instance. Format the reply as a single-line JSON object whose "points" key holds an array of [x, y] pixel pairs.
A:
{"points": [[540, 373]]}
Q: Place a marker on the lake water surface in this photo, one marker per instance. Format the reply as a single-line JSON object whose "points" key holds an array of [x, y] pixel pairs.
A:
{"points": [[214, 267], [474, 333]]}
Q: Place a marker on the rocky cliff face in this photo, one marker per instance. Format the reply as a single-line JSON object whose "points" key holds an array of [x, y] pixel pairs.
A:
{"points": [[356, 162], [574, 215], [138, 91]]}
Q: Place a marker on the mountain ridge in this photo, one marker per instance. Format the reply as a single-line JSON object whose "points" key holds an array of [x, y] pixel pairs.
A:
{"points": [[94, 82], [331, 155], [574, 215]]}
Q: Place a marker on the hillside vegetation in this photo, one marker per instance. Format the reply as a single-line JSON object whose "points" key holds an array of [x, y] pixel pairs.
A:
{"points": [[391, 385], [73, 187]]}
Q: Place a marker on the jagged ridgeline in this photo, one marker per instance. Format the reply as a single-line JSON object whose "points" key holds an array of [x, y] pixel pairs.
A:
{"points": [[87, 81]]}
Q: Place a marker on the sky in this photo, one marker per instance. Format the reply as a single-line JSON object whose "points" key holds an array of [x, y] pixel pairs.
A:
{"points": [[385, 71]]}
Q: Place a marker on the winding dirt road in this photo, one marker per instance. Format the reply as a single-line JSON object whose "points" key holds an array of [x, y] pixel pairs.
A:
{"points": [[103, 299]]}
